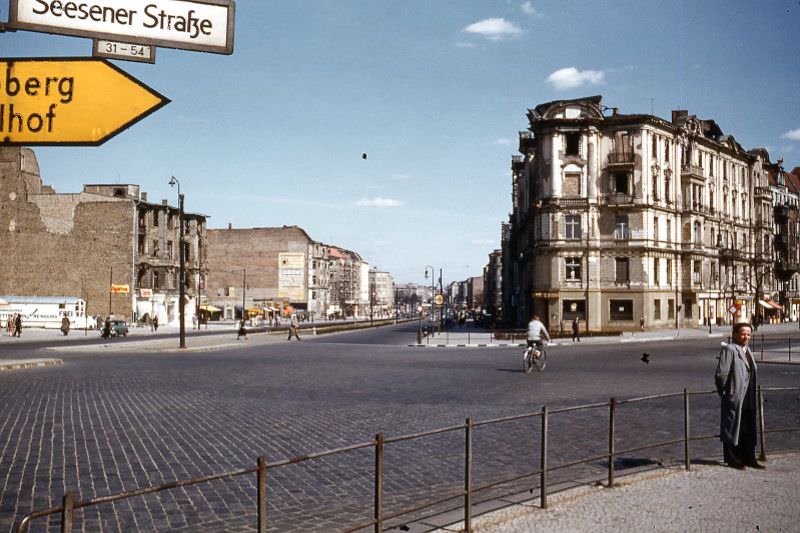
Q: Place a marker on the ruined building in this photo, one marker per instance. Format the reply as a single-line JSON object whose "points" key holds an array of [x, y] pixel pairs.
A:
{"points": [[106, 245]]}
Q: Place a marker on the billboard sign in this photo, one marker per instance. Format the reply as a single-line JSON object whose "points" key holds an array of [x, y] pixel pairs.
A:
{"points": [[201, 25]]}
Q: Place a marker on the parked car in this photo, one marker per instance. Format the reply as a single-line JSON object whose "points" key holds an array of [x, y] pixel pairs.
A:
{"points": [[119, 327]]}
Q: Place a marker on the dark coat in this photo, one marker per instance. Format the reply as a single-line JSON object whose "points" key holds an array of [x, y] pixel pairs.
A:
{"points": [[732, 378]]}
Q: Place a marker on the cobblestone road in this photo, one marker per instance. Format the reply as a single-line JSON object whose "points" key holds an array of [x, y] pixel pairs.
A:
{"points": [[110, 421]]}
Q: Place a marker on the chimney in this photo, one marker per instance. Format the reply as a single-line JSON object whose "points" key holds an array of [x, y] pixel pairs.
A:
{"points": [[678, 114], [164, 201], [230, 226], [144, 196]]}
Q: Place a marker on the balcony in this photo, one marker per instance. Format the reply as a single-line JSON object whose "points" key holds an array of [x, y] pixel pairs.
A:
{"points": [[618, 199], [762, 192], [620, 160], [526, 141], [567, 203], [693, 173], [784, 270], [730, 254]]}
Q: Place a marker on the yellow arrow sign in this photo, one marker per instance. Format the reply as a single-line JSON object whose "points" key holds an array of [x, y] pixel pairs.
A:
{"points": [[72, 101]]}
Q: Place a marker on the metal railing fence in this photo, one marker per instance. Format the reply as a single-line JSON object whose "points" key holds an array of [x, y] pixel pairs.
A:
{"points": [[379, 443]]}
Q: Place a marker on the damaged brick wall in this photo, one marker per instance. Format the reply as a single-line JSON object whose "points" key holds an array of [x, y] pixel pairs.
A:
{"points": [[66, 247]]}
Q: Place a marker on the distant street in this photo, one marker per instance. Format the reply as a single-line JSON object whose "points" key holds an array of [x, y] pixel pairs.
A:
{"points": [[110, 420]]}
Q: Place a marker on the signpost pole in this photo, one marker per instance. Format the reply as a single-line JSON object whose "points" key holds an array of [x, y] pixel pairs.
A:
{"points": [[110, 284]]}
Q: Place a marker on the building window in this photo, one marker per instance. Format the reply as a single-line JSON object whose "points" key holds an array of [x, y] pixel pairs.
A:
{"points": [[619, 182], [155, 219], [687, 308], [573, 143], [572, 184], [696, 266], [656, 272], [621, 230], [654, 151], [669, 271], [572, 225], [670, 308], [622, 269], [572, 309], [169, 250], [656, 223], [621, 309], [669, 230], [156, 280], [154, 249], [656, 309], [573, 265]]}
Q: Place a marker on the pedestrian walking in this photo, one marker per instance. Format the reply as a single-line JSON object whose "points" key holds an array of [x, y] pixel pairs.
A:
{"points": [[293, 328], [735, 379], [241, 331], [65, 325], [641, 323], [18, 325], [155, 324], [10, 324], [576, 330]]}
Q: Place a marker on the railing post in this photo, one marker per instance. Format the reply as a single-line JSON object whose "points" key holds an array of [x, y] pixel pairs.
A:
{"points": [[762, 425], [612, 415], [686, 431], [543, 462], [262, 494], [378, 510], [468, 475], [66, 513]]}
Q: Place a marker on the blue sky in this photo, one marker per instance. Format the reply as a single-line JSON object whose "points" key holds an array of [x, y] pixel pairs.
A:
{"points": [[435, 93]]}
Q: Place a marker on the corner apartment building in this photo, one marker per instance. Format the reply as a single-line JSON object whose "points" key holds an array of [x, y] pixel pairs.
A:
{"points": [[622, 218], [785, 187], [107, 244]]}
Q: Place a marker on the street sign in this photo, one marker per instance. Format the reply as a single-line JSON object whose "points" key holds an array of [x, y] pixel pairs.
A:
{"points": [[201, 25], [733, 308], [439, 299], [76, 101], [120, 289], [142, 53]]}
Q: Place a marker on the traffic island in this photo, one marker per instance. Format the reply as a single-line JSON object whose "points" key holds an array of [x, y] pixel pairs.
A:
{"points": [[16, 364]]}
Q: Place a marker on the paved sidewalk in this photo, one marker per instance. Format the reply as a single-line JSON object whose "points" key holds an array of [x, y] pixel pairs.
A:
{"points": [[483, 338], [707, 498]]}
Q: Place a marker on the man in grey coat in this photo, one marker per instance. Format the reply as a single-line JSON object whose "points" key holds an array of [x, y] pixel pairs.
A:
{"points": [[735, 378]]}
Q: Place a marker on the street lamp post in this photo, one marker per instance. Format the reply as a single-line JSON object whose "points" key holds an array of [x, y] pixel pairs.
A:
{"points": [[181, 267], [433, 290]]}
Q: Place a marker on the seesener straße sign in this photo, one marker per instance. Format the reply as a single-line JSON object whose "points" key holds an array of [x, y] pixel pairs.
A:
{"points": [[200, 25]]}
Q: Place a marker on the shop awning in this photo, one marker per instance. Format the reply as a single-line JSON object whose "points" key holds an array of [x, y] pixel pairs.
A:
{"points": [[255, 310], [210, 308], [769, 304]]}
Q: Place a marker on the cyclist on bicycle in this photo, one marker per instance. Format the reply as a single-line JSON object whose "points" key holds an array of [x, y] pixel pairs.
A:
{"points": [[536, 331]]}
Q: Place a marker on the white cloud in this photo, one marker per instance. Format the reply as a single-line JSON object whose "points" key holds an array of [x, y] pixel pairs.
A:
{"points": [[503, 141], [378, 201], [462, 44], [528, 9], [570, 77], [494, 29], [793, 135]]}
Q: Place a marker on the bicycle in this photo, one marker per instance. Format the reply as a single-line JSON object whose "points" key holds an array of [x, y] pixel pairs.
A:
{"points": [[535, 355]]}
